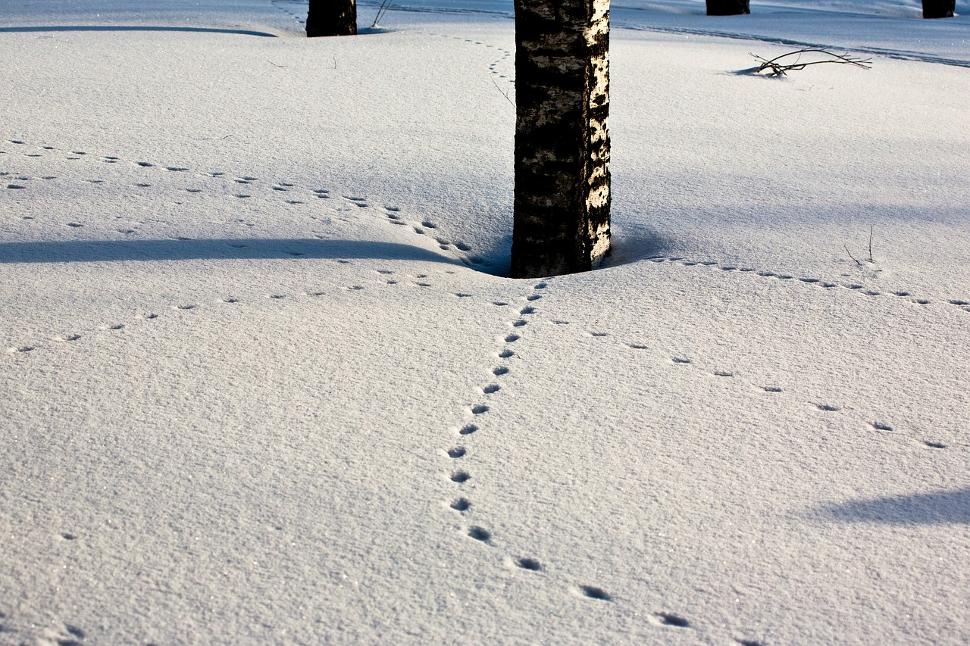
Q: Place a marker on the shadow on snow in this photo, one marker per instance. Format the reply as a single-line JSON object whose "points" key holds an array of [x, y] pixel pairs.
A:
{"points": [[937, 508], [204, 30], [48, 251]]}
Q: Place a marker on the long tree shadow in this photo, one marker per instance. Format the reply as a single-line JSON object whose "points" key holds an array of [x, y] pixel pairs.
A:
{"points": [[204, 30], [48, 251], [937, 508]]}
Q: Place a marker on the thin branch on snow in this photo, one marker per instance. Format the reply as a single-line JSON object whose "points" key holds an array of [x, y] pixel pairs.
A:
{"points": [[776, 66], [380, 13], [505, 94], [846, 247], [871, 259]]}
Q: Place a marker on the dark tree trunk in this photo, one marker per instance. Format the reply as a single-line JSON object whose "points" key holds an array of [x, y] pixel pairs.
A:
{"points": [[331, 18], [562, 145], [727, 7], [939, 8]]}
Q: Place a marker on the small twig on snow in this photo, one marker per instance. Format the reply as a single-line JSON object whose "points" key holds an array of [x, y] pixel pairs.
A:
{"points": [[846, 247], [505, 94], [775, 67], [380, 13], [871, 259]]}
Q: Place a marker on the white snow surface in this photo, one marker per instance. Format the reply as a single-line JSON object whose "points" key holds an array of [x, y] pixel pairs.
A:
{"points": [[262, 379]]}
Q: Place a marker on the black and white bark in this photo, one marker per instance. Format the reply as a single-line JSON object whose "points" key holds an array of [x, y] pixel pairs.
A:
{"points": [[939, 8], [727, 7], [331, 18], [562, 144]]}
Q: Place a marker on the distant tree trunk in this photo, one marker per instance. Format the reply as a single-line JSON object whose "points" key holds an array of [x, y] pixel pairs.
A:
{"points": [[939, 8], [727, 7], [331, 18], [562, 145]]}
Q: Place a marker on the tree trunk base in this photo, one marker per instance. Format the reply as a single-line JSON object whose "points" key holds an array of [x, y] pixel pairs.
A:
{"points": [[938, 8], [562, 144], [331, 18], [728, 7]]}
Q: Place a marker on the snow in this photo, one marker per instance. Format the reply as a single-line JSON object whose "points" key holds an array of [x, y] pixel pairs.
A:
{"points": [[262, 379]]}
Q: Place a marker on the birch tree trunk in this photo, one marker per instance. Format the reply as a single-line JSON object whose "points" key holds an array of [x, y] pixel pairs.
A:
{"points": [[939, 8], [727, 7], [562, 145], [331, 18]]}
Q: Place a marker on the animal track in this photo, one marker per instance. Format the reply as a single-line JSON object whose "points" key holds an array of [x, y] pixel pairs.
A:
{"points": [[529, 564], [595, 593], [500, 370], [479, 409], [460, 477], [456, 452], [479, 534], [882, 426], [808, 280], [460, 504], [669, 619], [828, 407], [491, 388]]}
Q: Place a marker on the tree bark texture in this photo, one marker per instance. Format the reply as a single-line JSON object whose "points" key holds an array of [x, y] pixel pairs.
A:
{"points": [[727, 7], [331, 18], [562, 145], [939, 8]]}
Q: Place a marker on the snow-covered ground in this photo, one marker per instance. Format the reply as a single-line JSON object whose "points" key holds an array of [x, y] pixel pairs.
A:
{"points": [[262, 379]]}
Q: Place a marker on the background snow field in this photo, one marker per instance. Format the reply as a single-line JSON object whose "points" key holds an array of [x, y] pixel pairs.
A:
{"points": [[262, 380]]}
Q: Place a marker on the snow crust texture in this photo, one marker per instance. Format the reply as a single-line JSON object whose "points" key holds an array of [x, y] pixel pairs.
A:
{"points": [[262, 380]]}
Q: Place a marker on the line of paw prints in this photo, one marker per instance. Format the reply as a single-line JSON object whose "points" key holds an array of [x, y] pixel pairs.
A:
{"points": [[289, 192], [962, 303], [473, 427], [284, 6], [65, 634], [384, 278], [684, 362], [503, 59]]}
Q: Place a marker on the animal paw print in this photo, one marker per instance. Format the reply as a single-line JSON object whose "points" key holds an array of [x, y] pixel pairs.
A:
{"points": [[593, 592]]}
